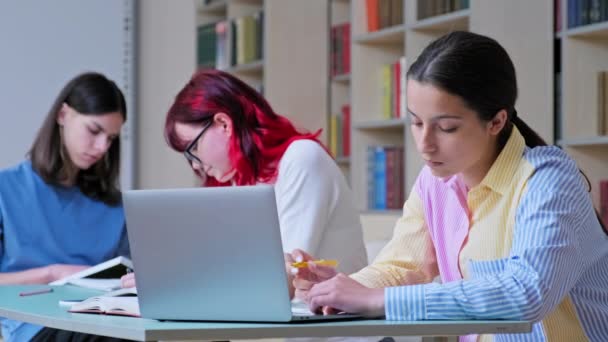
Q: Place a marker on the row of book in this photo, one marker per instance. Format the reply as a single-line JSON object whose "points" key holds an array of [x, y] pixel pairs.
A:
{"points": [[431, 8], [583, 12], [339, 133], [604, 201], [392, 83], [385, 177], [231, 42], [383, 13], [602, 103], [340, 49]]}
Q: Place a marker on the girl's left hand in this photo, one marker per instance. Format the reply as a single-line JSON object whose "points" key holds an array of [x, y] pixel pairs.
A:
{"points": [[342, 293], [128, 280]]}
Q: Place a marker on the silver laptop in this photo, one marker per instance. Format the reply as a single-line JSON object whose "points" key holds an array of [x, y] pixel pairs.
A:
{"points": [[210, 254]]}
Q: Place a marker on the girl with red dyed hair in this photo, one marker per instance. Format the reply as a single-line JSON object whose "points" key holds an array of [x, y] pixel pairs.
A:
{"points": [[231, 136]]}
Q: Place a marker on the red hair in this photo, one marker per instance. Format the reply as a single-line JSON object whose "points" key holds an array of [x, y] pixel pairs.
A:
{"points": [[260, 136]]}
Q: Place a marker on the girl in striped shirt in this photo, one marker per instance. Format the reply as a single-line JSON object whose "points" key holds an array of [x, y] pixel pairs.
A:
{"points": [[505, 221]]}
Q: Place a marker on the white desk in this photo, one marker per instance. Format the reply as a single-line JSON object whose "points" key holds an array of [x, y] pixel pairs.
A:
{"points": [[44, 310]]}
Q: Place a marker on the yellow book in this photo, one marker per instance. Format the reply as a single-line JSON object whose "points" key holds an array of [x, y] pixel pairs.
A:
{"points": [[333, 135], [249, 31], [386, 91]]}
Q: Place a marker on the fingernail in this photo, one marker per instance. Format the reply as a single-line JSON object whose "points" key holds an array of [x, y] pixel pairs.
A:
{"points": [[299, 258], [294, 271]]}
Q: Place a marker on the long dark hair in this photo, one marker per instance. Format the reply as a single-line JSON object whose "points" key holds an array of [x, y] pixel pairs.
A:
{"points": [[479, 70], [261, 135], [89, 94]]}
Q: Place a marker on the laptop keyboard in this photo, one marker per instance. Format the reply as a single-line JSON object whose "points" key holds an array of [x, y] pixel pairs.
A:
{"points": [[299, 308]]}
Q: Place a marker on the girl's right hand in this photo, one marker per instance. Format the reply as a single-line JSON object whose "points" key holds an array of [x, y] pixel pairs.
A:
{"points": [[128, 280], [59, 271], [306, 277]]}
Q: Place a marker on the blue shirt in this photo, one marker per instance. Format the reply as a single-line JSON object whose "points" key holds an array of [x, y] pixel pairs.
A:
{"points": [[42, 224], [539, 251]]}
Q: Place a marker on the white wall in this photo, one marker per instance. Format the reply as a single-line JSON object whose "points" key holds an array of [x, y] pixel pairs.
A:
{"points": [[166, 60], [43, 44]]}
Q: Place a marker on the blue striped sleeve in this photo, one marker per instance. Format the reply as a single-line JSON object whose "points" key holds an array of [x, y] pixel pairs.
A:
{"points": [[546, 259]]}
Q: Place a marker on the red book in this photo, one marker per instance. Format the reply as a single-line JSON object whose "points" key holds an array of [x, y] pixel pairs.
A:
{"points": [[346, 48], [373, 21], [346, 130], [391, 187]]}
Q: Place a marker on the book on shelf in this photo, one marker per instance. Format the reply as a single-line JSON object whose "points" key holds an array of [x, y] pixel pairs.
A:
{"points": [[385, 178], [602, 103], [432, 8], [382, 14], [104, 276], [346, 130], [393, 88], [340, 49], [386, 91], [222, 51], [333, 135], [339, 133], [122, 302], [206, 46], [248, 36], [585, 12]]}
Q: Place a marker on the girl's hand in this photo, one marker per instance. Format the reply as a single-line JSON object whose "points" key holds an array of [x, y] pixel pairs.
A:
{"points": [[128, 280], [342, 293]]}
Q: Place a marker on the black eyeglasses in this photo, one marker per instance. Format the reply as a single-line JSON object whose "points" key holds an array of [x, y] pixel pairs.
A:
{"points": [[188, 152]]}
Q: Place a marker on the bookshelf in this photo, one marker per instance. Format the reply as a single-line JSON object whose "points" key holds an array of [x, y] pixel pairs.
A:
{"points": [[533, 58], [282, 72], [583, 37], [338, 106], [242, 58]]}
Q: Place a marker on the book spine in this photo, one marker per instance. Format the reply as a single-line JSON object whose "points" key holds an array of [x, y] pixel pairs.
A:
{"points": [[371, 162], [346, 129], [386, 90], [390, 177], [396, 77], [402, 87], [380, 178], [371, 8]]}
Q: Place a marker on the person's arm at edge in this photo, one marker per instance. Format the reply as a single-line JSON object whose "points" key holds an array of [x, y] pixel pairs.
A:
{"points": [[545, 261], [409, 257]]}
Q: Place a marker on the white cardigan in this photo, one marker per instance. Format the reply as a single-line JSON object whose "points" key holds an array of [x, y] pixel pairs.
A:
{"points": [[316, 208]]}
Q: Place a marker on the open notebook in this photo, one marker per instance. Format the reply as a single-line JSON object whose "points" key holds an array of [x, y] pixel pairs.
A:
{"points": [[121, 302]]}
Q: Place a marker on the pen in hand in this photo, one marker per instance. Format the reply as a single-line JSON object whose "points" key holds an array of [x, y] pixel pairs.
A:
{"points": [[321, 262], [36, 292]]}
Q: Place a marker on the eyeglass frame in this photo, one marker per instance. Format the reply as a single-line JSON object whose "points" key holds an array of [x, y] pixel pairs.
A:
{"points": [[190, 157]]}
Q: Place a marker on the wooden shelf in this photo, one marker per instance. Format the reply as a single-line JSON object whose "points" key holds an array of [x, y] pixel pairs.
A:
{"points": [[455, 21], [256, 67], [391, 35], [597, 30], [344, 78], [582, 142], [390, 212], [381, 124]]}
